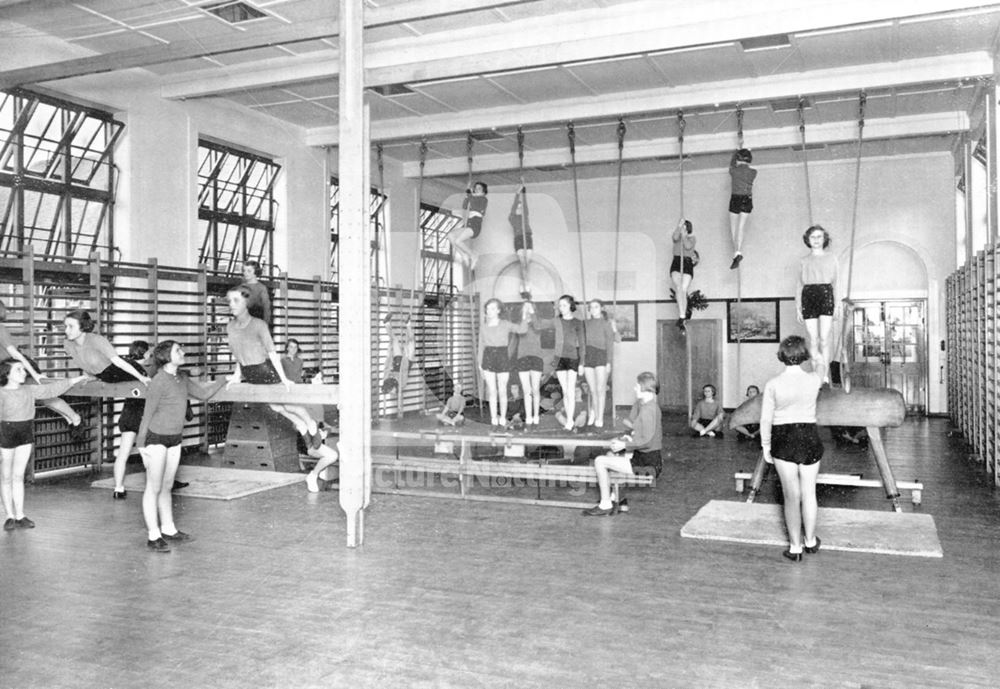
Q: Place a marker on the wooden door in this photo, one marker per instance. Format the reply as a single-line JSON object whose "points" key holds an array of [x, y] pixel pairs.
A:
{"points": [[703, 344]]}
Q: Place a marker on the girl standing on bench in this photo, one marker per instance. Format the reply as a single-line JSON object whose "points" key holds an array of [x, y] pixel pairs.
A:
{"points": [[600, 334], [93, 354], [529, 363], [159, 440], [494, 358], [258, 362], [17, 435], [569, 361], [790, 442]]}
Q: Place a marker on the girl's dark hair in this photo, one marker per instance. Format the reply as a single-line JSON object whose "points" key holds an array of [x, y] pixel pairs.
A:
{"points": [[813, 228], [749, 387], [604, 313], [290, 341], [647, 381], [137, 350], [793, 350], [744, 155], [242, 289], [5, 367], [87, 324], [161, 352], [3, 311], [688, 226], [500, 306], [570, 300], [257, 270], [709, 385], [486, 189]]}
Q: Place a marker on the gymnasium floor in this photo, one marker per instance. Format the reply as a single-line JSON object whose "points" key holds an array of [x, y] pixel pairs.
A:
{"points": [[453, 594]]}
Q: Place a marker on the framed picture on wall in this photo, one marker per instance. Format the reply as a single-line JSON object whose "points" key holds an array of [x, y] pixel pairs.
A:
{"points": [[626, 317], [752, 320]]}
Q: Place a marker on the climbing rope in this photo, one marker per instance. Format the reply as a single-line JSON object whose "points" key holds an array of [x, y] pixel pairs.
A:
{"points": [[571, 133], [681, 125], [847, 312], [805, 156]]}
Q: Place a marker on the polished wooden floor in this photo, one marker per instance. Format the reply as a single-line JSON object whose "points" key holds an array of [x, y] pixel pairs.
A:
{"points": [[464, 594]]}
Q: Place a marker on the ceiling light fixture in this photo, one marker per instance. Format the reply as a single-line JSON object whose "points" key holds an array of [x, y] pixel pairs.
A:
{"points": [[234, 12]]}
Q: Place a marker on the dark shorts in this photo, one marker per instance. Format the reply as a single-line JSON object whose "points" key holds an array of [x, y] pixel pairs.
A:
{"points": [[675, 265], [496, 359], [397, 361], [260, 374], [817, 300], [796, 442], [172, 440], [565, 363], [475, 224], [16, 433], [530, 363], [131, 416], [646, 458], [740, 204], [523, 241], [595, 357], [113, 374]]}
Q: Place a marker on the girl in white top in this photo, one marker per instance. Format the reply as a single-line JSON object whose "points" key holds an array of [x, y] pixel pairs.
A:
{"points": [[790, 441]]}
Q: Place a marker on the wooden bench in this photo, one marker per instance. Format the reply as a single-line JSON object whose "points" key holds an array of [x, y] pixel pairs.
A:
{"points": [[467, 469], [855, 480]]}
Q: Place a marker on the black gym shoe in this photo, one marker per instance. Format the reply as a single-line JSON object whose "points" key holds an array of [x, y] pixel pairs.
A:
{"points": [[78, 433], [119, 494], [623, 505], [158, 545], [737, 259], [179, 484], [9, 525], [177, 537], [24, 523]]}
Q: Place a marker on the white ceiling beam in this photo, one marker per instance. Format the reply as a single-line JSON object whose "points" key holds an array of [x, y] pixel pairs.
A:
{"points": [[632, 28], [759, 139], [322, 27], [746, 91]]}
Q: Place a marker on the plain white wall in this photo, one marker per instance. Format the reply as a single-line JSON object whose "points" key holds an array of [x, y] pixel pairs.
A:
{"points": [[906, 210]]}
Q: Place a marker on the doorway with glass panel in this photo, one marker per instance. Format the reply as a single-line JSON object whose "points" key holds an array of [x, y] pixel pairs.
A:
{"points": [[889, 348]]}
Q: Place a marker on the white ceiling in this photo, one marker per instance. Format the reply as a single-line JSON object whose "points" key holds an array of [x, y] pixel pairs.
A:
{"points": [[539, 64]]}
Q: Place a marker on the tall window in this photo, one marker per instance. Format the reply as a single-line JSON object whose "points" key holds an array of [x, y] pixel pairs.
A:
{"points": [[236, 206], [56, 176], [376, 219], [435, 251]]}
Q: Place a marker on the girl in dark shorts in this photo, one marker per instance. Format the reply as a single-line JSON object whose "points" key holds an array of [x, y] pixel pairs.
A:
{"points": [[600, 334], [569, 360], [159, 439], [94, 355], [258, 362], [790, 441], [17, 415], [816, 298], [682, 266], [529, 363], [494, 359]]}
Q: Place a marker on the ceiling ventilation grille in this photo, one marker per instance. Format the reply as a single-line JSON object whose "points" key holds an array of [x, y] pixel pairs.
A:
{"points": [[788, 104], [234, 12], [392, 90], [778, 40], [486, 135]]}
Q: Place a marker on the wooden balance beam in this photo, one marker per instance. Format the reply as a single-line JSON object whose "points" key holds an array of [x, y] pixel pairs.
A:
{"points": [[873, 408], [299, 393]]}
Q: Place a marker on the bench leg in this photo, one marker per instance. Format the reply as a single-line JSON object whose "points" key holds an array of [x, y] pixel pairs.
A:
{"points": [[917, 496], [757, 480]]}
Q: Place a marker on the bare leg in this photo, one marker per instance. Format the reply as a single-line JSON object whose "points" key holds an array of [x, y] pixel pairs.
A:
{"points": [[812, 330], [590, 373], [529, 396], [536, 391], [734, 231], [62, 408], [6, 479], [502, 379], [22, 453], [121, 459], [154, 457], [825, 344], [790, 488], [810, 506], [602, 465], [600, 394], [490, 378], [164, 499], [567, 381]]}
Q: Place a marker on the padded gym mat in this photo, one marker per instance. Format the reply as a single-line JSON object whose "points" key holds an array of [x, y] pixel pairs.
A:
{"points": [[212, 482], [863, 531]]}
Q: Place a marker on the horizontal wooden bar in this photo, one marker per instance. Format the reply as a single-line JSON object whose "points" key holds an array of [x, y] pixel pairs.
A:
{"points": [[299, 393]]}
